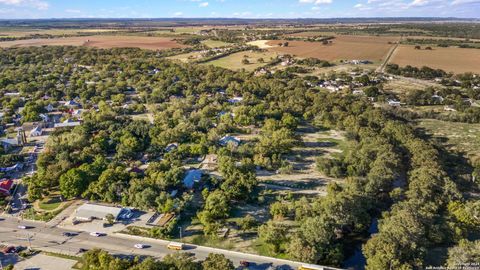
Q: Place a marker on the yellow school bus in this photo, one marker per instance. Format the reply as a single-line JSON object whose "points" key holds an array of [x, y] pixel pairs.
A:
{"points": [[175, 246]]}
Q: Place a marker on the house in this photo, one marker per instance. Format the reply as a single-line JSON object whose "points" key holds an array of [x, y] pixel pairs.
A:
{"points": [[171, 147], [394, 103], [437, 97], [235, 100], [36, 131], [192, 177], [226, 140], [72, 103], [90, 211], [44, 117], [50, 108], [5, 186], [67, 124]]}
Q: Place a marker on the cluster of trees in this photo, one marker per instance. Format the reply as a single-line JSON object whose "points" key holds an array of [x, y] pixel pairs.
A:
{"points": [[414, 72], [100, 260], [390, 172]]}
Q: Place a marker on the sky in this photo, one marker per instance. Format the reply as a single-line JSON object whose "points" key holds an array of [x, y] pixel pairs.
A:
{"points": [[33, 9]]}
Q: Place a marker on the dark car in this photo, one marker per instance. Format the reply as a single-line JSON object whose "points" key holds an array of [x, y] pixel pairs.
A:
{"points": [[69, 234], [244, 263], [9, 249], [81, 250]]}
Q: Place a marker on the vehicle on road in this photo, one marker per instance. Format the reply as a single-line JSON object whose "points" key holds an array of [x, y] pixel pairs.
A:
{"points": [[81, 250], [97, 234], [140, 246], [8, 249], [23, 227], [69, 234], [244, 263], [310, 267], [175, 246]]}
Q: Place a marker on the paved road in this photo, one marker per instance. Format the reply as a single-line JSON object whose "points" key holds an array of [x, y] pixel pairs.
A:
{"points": [[42, 237]]}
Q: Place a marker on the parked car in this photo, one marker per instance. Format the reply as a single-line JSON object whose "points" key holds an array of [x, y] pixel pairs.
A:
{"points": [[9, 249]]}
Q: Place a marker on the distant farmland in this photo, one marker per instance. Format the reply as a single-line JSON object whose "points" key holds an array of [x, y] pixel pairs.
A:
{"points": [[104, 42], [343, 48], [457, 60]]}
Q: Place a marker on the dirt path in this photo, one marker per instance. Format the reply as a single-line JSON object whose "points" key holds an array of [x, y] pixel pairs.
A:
{"points": [[381, 68]]}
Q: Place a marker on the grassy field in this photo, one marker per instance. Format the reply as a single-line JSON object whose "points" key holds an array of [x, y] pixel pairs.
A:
{"points": [[343, 47], [186, 57], [460, 137], [151, 43], [215, 43], [451, 59], [50, 203], [402, 85], [234, 61]]}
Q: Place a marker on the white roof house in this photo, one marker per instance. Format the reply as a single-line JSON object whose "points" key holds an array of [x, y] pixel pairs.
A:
{"points": [[226, 140], [89, 211], [66, 124], [37, 131]]}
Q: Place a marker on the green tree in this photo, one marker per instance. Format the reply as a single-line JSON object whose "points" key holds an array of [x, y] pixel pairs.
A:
{"points": [[216, 262], [73, 183], [274, 234]]}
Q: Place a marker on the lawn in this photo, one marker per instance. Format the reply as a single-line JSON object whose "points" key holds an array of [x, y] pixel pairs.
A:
{"points": [[234, 61], [50, 203]]}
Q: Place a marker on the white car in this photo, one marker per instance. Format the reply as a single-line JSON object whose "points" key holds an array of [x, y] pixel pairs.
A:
{"points": [[23, 227], [140, 246], [96, 234]]}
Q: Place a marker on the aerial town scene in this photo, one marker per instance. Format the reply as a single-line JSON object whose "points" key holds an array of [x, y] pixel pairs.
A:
{"points": [[240, 135]]}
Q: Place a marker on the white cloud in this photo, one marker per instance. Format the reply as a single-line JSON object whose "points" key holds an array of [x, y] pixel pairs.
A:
{"points": [[38, 4], [178, 14], [204, 4], [316, 2], [462, 2]]}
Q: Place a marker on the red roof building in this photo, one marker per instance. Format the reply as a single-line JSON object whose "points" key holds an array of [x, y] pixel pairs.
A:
{"points": [[5, 186]]}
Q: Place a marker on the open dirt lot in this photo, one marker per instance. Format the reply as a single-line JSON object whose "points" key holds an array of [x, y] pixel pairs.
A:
{"points": [[104, 42], [343, 47], [451, 59]]}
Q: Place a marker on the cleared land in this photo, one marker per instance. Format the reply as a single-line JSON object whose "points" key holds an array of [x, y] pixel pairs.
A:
{"points": [[186, 57], [402, 85], [104, 42], [457, 60], [215, 43], [462, 137], [343, 47], [234, 61]]}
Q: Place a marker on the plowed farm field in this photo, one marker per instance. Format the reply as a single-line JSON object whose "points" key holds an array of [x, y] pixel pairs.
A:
{"points": [[104, 42], [457, 60], [345, 47]]}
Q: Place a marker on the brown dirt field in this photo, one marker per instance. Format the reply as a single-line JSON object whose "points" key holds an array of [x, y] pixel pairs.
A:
{"points": [[151, 43], [452, 59], [343, 48]]}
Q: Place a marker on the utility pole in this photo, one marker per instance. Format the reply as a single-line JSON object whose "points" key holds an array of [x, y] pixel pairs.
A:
{"points": [[180, 229]]}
